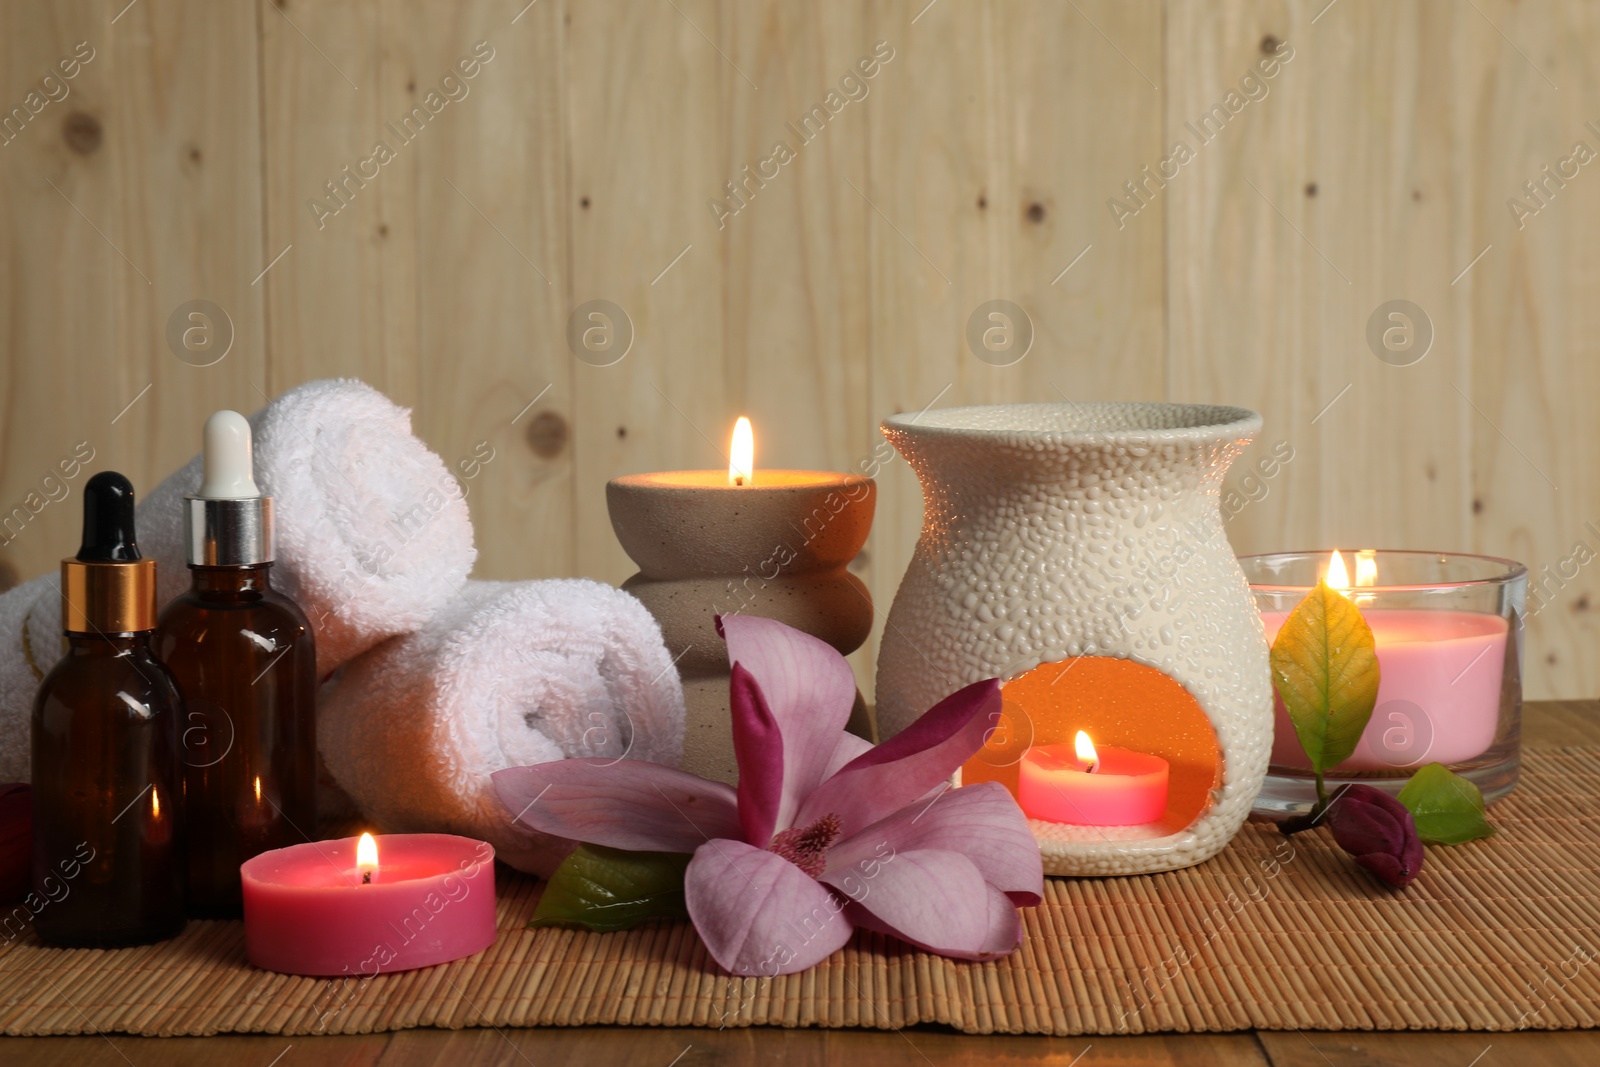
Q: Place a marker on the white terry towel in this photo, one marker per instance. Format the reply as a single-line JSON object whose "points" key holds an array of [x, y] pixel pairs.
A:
{"points": [[372, 531], [373, 534], [509, 674], [30, 644]]}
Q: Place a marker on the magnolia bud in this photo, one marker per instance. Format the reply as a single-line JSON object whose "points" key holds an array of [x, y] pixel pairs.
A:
{"points": [[1379, 832]]}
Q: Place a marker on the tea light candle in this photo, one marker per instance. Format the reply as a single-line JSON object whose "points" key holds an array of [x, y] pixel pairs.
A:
{"points": [[756, 526], [368, 906], [1079, 784]]}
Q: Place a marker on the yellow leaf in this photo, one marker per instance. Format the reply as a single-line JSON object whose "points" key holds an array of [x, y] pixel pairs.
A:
{"points": [[1325, 668]]}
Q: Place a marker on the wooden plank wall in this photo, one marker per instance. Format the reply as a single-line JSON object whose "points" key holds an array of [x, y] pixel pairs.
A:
{"points": [[1375, 164]]}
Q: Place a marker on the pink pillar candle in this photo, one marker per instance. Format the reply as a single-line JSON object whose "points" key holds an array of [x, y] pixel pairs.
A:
{"points": [[1125, 788], [309, 910], [1438, 690]]}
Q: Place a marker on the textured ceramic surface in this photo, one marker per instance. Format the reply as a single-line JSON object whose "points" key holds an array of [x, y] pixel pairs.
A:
{"points": [[777, 548], [1060, 530]]}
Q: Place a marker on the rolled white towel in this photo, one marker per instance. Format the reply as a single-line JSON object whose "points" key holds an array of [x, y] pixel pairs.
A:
{"points": [[372, 531], [373, 535], [30, 644], [509, 674]]}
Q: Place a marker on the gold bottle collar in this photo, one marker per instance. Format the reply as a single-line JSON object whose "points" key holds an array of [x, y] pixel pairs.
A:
{"points": [[108, 598]]}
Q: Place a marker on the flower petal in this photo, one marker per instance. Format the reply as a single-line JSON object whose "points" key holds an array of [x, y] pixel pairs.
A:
{"points": [[809, 688], [909, 764], [758, 747], [848, 748], [933, 898], [1005, 928], [758, 913], [980, 821], [628, 804]]}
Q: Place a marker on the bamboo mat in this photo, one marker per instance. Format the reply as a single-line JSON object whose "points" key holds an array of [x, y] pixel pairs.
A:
{"points": [[1271, 935]]}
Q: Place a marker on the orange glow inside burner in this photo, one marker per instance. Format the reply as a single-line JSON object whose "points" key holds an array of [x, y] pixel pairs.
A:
{"points": [[1119, 703]]}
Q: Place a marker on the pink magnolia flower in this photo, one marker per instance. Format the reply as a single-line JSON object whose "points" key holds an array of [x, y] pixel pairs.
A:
{"points": [[825, 832]]}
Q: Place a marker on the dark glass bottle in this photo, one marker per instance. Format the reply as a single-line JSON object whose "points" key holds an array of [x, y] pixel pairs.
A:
{"points": [[107, 851], [245, 659]]}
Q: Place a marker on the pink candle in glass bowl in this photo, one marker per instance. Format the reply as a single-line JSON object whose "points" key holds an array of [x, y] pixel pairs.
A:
{"points": [[1439, 683], [339, 908], [1438, 691]]}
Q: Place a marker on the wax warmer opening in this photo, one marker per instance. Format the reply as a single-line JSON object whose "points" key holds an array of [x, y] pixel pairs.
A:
{"points": [[1089, 418], [1117, 702]]}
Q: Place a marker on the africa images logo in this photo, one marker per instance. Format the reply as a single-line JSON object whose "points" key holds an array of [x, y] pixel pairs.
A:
{"points": [[454, 86]]}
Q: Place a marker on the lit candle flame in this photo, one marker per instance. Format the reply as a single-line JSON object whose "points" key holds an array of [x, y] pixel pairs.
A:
{"points": [[366, 857], [1086, 753], [155, 803], [742, 454], [1337, 577], [258, 789], [1367, 567]]}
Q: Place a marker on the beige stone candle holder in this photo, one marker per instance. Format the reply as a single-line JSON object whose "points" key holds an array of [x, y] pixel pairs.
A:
{"points": [[777, 548]]}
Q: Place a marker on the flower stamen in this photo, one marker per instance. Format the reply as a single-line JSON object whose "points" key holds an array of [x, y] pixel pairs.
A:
{"points": [[807, 846]]}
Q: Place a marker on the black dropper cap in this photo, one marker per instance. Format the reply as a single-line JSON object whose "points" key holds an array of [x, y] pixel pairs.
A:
{"points": [[108, 520]]}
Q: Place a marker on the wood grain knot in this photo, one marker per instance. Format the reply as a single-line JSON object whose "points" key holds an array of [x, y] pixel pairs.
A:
{"points": [[1269, 45], [547, 434], [1035, 212], [82, 132]]}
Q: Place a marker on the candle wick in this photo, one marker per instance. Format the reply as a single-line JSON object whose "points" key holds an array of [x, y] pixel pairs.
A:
{"points": [[739, 480], [1094, 765], [366, 878]]}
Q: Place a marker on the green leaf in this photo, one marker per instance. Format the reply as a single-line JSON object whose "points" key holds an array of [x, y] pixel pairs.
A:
{"points": [[1325, 667], [1446, 807], [611, 889]]}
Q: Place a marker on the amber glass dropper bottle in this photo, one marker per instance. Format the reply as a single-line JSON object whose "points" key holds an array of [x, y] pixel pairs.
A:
{"points": [[245, 659], [106, 845]]}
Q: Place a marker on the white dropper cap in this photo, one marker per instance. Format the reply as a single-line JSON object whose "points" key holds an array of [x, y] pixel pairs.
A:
{"points": [[228, 474]]}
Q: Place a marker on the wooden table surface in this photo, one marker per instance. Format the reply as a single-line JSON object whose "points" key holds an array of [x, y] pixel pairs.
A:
{"points": [[1546, 723]]}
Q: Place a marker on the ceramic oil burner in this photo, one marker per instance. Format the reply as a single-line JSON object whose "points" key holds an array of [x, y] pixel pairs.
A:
{"points": [[1076, 552]]}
